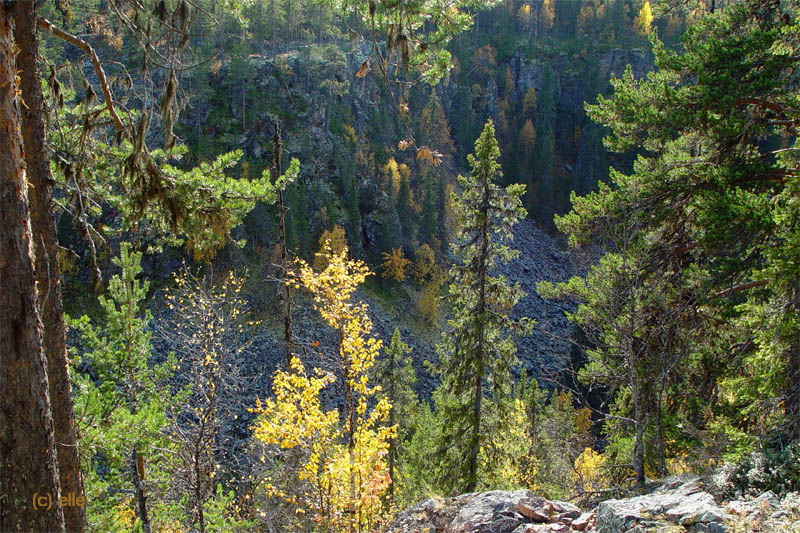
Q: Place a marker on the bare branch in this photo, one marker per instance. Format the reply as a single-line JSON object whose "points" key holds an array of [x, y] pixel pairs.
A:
{"points": [[740, 288], [98, 66]]}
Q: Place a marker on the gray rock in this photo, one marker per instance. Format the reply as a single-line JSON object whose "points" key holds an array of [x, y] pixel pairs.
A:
{"points": [[488, 512], [698, 507], [768, 498], [537, 509], [566, 509], [712, 527], [582, 522], [765, 503], [686, 504], [777, 515]]}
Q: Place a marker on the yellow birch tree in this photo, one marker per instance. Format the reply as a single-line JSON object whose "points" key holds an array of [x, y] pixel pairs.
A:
{"points": [[346, 465]]}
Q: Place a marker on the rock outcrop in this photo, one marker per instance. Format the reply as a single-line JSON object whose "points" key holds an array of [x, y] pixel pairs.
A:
{"points": [[676, 505], [517, 511], [686, 504]]}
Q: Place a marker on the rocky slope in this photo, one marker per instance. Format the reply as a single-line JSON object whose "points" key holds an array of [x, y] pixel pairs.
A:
{"points": [[541, 354], [676, 505]]}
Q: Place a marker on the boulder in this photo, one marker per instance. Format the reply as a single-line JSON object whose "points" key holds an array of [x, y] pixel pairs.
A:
{"points": [[684, 503], [537, 509], [431, 515], [766, 503], [697, 508], [582, 522], [488, 512], [565, 510]]}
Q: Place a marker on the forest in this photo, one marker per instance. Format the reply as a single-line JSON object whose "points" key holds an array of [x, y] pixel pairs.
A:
{"points": [[378, 265]]}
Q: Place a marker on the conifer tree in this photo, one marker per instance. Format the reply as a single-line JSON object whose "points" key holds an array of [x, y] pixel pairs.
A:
{"points": [[711, 205], [124, 408], [544, 156], [395, 373], [26, 432], [441, 213], [354, 212], [403, 207], [427, 225], [478, 351]]}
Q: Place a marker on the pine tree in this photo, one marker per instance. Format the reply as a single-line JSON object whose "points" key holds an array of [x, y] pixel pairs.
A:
{"points": [[125, 405], [395, 373], [441, 212], [544, 153], [403, 206], [28, 462], [354, 231], [711, 207], [478, 351], [427, 224]]}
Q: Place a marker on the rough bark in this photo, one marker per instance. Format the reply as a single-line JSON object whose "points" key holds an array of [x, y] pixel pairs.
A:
{"points": [[793, 393], [28, 464], [480, 311], [137, 472], [287, 295], [393, 440], [48, 273], [640, 422], [793, 376]]}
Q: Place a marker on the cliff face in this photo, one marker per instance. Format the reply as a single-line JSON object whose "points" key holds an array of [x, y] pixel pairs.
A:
{"points": [[341, 127], [344, 128]]}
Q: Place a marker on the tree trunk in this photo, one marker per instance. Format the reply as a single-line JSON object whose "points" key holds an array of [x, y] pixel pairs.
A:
{"points": [[483, 273], [48, 273], [29, 486], [137, 471], [793, 377], [287, 291], [793, 393], [393, 440], [349, 400], [662, 461], [640, 423], [475, 442], [244, 116], [198, 486]]}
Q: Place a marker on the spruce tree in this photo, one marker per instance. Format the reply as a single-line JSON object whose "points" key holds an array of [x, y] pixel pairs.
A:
{"points": [[427, 224], [441, 213], [478, 351], [354, 212], [403, 206], [544, 152], [395, 374]]}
